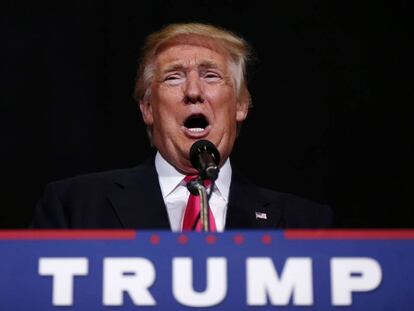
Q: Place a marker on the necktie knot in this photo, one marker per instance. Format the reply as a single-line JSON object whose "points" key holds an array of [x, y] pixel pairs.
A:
{"points": [[192, 219], [188, 178]]}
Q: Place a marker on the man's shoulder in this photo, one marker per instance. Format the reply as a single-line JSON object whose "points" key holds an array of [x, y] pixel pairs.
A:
{"points": [[93, 200], [99, 176], [299, 211], [104, 179], [288, 210], [286, 198], [267, 195]]}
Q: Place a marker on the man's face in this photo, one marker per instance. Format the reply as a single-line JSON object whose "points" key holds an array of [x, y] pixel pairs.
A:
{"points": [[193, 97]]}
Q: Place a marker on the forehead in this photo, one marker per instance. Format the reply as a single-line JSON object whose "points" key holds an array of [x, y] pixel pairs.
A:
{"points": [[191, 54]]}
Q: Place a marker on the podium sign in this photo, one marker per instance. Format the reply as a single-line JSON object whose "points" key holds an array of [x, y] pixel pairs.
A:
{"points": [[234, 270]]}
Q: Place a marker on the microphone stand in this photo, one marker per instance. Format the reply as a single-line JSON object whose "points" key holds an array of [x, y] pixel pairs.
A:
{"points": [[196, 187]]}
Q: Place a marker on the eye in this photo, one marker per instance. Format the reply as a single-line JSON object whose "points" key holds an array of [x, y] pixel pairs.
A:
{"points": [[173, 78], [211, 76]]}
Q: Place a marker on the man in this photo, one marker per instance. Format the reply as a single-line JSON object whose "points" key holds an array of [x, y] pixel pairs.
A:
{"points": [[191, 85]]}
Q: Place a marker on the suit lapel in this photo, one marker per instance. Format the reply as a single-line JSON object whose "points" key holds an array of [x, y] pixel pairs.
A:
{"points": [[248, 208], [138, 203], [138, 200]]}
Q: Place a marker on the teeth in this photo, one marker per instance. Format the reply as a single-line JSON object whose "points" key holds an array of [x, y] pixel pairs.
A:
{"points": [[196, 129]]}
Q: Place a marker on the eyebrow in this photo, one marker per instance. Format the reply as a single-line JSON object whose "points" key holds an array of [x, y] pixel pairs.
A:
{"points": [[173, 67], [205, 64], [208, 64]]}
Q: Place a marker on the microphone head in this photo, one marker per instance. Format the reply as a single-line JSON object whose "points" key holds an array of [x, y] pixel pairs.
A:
{"points": [[200, 146], [198, 151]]}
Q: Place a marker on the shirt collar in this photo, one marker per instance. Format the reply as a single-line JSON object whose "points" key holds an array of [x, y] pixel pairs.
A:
{"points": [[170, 178]]}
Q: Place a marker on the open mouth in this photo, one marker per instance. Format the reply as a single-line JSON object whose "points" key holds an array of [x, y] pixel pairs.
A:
{"points": [[196, 123]]}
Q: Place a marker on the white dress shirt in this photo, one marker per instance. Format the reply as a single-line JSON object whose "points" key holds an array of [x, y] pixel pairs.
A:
{"points": [[175, 193]]}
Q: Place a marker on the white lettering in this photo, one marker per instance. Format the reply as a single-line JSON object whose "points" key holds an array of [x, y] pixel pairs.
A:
{"points": [[216, 289], [63, 271], [353, 275], [131, 275], [295, 280]]}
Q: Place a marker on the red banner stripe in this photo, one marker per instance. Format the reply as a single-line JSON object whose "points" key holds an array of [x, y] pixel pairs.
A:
{"points": [[351, 234], [67, 234]]}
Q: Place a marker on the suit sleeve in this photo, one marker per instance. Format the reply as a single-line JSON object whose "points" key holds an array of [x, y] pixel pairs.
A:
{"points": [[302, 213], [49, 212], [325, 217]]}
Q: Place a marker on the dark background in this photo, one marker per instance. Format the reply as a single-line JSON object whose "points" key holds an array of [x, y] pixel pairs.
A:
{"points": [[330, 84]]}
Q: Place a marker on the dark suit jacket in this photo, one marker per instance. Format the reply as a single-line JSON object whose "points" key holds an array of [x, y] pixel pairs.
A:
{"points": [[131, 198]]}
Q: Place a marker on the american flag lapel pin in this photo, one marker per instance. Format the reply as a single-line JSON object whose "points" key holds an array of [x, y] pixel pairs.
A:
{"points": [[260, 215]]}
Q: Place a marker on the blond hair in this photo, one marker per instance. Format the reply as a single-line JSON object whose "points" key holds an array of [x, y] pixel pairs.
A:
{"points": [[225, 40]]}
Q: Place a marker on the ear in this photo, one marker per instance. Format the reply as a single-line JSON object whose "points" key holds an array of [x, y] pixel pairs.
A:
{"points": [[242, 109], [146, 111]]}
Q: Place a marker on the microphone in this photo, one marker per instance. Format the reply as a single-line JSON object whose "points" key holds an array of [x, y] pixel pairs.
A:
{"points": [[205, 157]]}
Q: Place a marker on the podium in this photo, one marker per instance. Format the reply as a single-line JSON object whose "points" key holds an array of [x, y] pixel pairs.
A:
{"points": [[233, 270]]}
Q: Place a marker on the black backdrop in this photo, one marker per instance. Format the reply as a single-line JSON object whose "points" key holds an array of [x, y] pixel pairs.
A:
{"points": [[330, 87]]}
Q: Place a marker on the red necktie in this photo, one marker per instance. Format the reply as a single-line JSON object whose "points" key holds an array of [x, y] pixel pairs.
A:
{"points": [[192, 219]]}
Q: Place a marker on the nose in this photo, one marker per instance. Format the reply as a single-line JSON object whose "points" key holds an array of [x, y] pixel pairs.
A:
{"points": [[193, 89]]}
